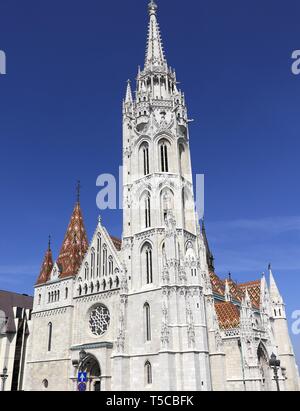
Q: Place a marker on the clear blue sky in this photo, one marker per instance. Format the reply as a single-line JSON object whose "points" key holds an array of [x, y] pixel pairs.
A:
{"points": [[60, 120]]}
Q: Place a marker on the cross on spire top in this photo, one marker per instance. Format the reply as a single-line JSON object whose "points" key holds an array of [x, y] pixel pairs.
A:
{"points": [[78, 188], [152, 7]]}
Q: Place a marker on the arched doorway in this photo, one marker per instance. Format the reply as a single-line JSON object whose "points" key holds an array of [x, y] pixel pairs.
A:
{"points": [[264, 369], [91, 366]]}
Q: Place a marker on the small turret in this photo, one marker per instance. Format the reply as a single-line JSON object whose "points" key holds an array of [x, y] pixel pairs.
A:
{"points": [[209, 256]]}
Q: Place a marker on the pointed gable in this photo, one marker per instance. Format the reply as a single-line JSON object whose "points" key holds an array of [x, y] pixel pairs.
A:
{"points": [[75, 245], [253, 289], [46, 268]]}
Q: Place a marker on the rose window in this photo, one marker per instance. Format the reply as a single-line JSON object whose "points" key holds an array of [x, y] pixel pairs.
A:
{"points": [[99, 320]]}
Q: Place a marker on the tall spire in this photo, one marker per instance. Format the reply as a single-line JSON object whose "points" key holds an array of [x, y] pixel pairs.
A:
{"points": [[75, 244], [155, 53], [274, 291], [209, 257], [46, 266], [128, 98]]}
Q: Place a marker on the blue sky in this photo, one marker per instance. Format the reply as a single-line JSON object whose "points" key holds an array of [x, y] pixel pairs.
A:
{"points": [[60, 120]]}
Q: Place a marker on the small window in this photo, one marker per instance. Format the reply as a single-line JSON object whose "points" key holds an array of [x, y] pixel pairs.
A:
{"points": [[66, 293], [148, 373], [147, 315], [45, 384], [49, 337]]}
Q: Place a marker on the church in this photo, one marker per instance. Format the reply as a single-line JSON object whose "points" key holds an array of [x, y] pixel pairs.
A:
{"points": [[149, 312]]}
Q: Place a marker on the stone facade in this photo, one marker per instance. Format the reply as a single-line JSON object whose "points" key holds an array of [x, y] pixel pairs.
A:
{"points": [[149, 312]]}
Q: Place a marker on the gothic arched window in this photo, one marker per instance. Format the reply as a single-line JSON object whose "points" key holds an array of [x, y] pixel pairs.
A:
{"points": [[98, 255], [147, 262], [167, 203], [92, 263], [164, 160], [147, 212], [49, 336], [117, 282], [86, 271], [147, 320], [144, 156], [104, 260], [110, 265], [66, 293], [148, 373]]}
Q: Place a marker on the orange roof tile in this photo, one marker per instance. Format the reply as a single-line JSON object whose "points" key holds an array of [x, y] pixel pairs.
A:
{"points": [[117, 243], [253, 288], [228, 315], [75, 245], [217, 284], [46, 268]]}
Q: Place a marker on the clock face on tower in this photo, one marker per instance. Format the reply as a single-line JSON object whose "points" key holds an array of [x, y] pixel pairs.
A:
{"points": [[99, 320]]}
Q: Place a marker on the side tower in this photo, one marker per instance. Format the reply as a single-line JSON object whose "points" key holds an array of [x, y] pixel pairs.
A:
{"points": [[282, 337], [48, 362], [163, 250]]}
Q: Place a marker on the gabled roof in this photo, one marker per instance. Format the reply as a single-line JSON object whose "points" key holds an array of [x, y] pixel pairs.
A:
{"points": [[254, 291], [228, 315], [75, 245]]}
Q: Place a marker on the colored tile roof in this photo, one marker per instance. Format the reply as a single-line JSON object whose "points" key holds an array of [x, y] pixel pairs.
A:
{"points": [[117, 243], [237, 291], [46, 268], [228, 315], [254, 291], [75, 245]]}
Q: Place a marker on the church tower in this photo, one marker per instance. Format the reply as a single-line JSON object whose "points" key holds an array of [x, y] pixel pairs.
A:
{"points": [[281, 333], [163, 248]]}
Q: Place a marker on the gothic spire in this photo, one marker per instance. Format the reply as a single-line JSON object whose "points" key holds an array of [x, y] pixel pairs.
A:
{"points": [[75, 245], [209, 256], [46, 266], [128, 98], [274, 291], [155, 53]]}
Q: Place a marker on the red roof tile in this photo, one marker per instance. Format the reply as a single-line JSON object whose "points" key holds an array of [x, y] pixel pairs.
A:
{"points": [[75, 245], [46, 268], [228, 315]]}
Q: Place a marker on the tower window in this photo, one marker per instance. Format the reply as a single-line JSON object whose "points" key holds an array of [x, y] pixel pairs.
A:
{"points": [[149, 265], [148, 373], [49, 337], [164, 157], [147, 212], [147, 314]]}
